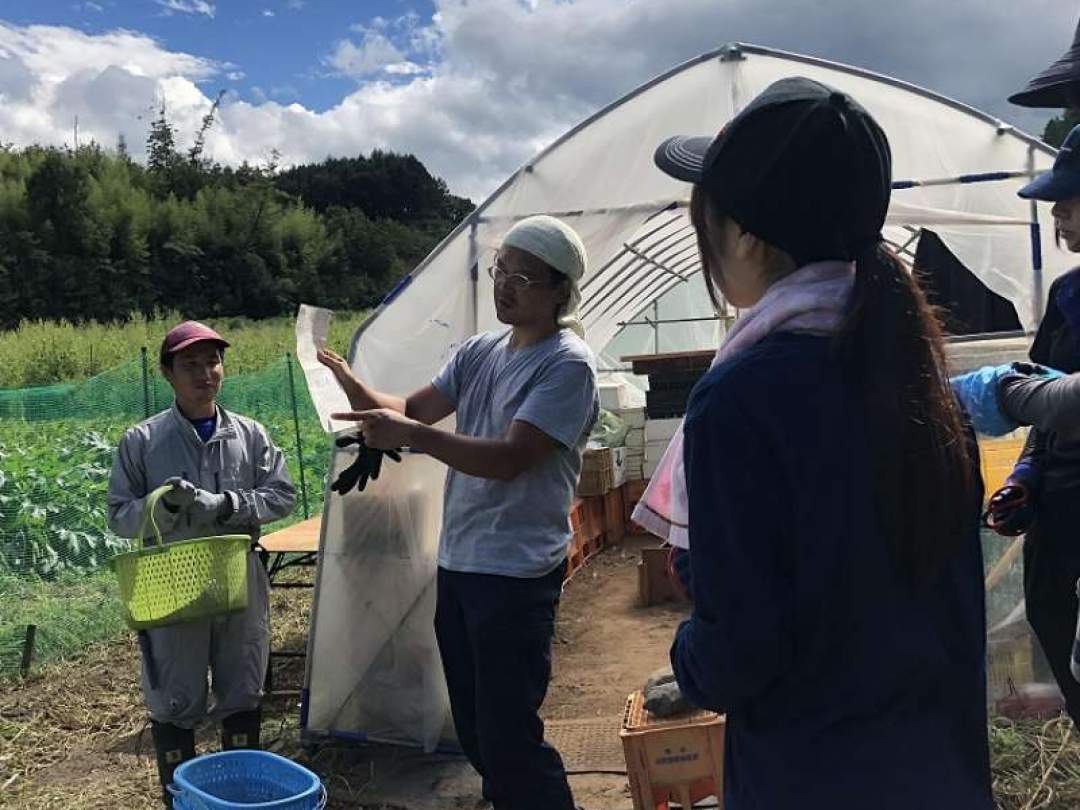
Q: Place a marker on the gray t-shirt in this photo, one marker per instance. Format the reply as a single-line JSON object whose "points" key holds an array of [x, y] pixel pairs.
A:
{"points": [[517, 528]]}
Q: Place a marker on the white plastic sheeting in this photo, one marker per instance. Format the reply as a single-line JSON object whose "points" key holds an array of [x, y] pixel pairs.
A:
{"points": [[372, 668]]}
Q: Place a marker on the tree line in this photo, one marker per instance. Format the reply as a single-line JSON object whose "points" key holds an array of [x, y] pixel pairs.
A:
{"points": [[91, 234]]}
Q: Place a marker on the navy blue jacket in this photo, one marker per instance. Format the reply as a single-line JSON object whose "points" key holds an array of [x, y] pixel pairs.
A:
{"points": [[843, 686]]}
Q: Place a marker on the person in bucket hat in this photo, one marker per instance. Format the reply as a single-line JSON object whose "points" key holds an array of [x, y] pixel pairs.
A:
{"points": [[226, 477], [1040, 497]]}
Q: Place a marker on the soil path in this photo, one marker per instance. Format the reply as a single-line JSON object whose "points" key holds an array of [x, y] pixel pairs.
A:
{"points": [[73, 735]]}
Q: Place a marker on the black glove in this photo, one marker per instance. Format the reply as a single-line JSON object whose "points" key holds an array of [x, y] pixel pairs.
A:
{"points": [[366, 468], [182, 494], [1031, 369], [1011, 510]]}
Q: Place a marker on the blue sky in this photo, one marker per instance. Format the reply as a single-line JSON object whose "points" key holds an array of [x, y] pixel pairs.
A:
{"points": [[275, 48], [474, 88]]}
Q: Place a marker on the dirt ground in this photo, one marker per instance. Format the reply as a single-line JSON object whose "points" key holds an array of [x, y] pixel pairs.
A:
{"points": [[74, 734]]}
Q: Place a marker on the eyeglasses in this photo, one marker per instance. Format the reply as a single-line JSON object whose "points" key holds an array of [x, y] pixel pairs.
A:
{"points": [[515, 280]]}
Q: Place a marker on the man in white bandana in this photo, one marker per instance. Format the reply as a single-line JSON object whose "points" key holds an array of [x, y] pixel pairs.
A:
{"points": [[525, 400]]}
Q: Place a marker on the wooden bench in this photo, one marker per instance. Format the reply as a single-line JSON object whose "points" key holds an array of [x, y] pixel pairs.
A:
{"points": [[296, 546]]}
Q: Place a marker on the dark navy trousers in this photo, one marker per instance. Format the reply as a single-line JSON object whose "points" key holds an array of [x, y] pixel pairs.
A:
{"points": [[1051, 571], [494, 635]]}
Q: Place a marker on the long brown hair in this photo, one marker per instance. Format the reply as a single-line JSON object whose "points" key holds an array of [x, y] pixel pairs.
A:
{"points": [[925, 489]]}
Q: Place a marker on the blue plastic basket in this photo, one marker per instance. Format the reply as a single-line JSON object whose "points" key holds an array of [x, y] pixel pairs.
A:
{"points": [[245, 780]]}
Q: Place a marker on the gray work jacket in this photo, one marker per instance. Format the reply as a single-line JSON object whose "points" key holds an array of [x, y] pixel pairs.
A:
{"points": [[239, 460]]}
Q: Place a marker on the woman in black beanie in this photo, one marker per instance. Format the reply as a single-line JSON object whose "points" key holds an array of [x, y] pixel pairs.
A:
{"points": [[833, 488]]}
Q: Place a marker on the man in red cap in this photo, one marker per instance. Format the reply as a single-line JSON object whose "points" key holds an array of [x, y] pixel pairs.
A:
{"points": [[227, 477]]}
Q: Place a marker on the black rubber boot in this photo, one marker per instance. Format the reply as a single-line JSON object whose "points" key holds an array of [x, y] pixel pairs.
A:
{"points": [[172, 746], [241, 730]]}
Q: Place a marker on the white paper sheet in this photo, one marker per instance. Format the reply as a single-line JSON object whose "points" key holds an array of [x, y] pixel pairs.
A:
{"points": [[312, 328]]}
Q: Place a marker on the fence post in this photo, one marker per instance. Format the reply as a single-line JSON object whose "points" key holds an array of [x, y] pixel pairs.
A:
{"points": [[28, 649], [296, 426], [145, 383]]}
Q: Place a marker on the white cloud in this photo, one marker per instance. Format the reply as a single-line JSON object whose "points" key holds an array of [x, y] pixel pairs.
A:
{"points": [[366, 59], [187, 6], [294, 5], [111, 81], [267, 12], [235, 75], [480, 86], [405, 69], [93, 7]]}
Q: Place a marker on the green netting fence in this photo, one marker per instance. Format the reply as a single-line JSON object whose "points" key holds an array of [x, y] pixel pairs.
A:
{"points": [[56, 448]]}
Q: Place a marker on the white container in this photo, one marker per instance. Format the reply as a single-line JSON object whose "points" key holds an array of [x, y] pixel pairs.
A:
{"points": [[654, 451], [617, 394], [660, 429], [633, 418]]}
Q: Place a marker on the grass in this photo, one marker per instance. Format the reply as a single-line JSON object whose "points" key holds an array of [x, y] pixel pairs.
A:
{"points": [[1036, 764], [47, 352], [71, 613]]}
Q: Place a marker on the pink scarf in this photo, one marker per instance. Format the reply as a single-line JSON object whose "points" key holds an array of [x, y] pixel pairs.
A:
{"points": [[814, 300]]}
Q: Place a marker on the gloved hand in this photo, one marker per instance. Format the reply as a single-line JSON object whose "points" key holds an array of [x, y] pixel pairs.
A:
{"points": [[367, 466], [1035, 370], [1011, 509], [216, 505], [978, 393], [182, 494]]}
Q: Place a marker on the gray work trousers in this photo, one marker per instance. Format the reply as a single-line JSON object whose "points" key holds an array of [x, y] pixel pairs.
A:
{"points": [[234, 648]]}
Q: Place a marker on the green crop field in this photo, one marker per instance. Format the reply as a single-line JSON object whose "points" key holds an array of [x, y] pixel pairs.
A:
{"points": [[56, 449], [54, 539], [48, 352]]}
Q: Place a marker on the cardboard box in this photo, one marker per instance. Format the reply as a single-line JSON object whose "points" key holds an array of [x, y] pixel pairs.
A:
{"points": [[597, 471]]}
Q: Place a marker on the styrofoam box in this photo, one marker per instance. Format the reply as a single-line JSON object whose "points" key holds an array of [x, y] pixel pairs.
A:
{"points": [[618, 395], [657, 429], [635, 438], [650, 468], [634, 418], [654, 450]]}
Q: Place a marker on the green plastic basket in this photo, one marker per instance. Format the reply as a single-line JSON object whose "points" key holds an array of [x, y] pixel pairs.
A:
{"points": [[184, 581]]}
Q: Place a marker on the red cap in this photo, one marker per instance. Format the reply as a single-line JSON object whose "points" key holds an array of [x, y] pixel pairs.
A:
{"points": [[187, 334]]}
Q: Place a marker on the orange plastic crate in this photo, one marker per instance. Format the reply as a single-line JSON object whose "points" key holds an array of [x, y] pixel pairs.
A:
{"points": [[614, 516], [998, 457], [678, 758]]}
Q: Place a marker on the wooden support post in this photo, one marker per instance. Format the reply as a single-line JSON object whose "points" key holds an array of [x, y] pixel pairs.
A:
{"points": [[28, 649]]}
